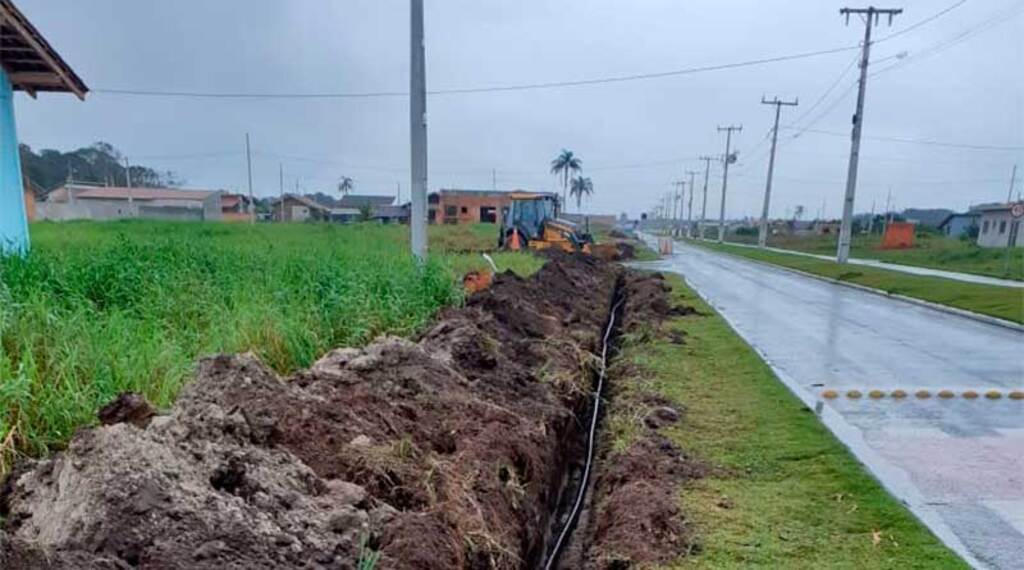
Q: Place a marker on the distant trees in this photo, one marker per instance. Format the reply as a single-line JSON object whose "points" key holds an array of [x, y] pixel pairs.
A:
{"points": [[345, 185], [579, 187], [565, 165], [365, 212], [99, 163]]}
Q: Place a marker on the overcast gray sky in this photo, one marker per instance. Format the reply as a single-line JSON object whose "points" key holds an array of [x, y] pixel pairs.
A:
{"points": [[634, 137]]}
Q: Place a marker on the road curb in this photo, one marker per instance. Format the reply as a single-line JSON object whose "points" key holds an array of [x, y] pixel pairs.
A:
{"points": [[913, 300]]}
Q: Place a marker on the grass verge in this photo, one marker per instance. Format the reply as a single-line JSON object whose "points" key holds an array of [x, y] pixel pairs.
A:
{"points": [[101, 308], [992, 300], [784, 492], [930, 250]]}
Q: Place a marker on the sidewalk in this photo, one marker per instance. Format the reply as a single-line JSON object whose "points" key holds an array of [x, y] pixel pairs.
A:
{"points": [[965, 277]]}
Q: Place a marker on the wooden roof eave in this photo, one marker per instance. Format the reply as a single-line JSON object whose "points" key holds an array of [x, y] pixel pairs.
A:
{"points": [[30, 82]]}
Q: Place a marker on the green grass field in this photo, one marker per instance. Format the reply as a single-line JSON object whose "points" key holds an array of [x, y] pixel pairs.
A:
{"points": [[1002, 302], [100, 308], [930, 250], [785, 493]]}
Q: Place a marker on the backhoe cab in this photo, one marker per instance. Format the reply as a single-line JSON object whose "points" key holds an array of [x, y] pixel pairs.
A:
{"points": [[532, 222]]}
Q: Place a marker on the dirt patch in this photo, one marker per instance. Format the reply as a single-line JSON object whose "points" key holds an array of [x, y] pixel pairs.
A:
{"points": [[443, 453], [614, 250], [638, 518], [128, 407]]}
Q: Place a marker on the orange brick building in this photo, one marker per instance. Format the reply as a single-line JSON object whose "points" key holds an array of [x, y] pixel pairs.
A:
{"points": [[467, 206]]}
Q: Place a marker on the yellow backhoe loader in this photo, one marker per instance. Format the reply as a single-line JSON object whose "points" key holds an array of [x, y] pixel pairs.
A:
{"points": [[532, 222]]}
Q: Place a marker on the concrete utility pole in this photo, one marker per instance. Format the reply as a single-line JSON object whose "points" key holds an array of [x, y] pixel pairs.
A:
{"points": [[689, 207], [871, 20], [871, 220], [677, 206], [418, 130], [280, 188], [1013, 182], [704, 204], [762, 235], [725, 177], [131, 202], [248, 162]]}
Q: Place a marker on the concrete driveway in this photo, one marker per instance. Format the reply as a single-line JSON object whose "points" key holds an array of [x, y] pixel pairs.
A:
{"points": [[958, 463]]}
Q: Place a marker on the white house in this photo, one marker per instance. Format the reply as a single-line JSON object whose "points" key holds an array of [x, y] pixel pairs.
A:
{"points": [[999, 227]]}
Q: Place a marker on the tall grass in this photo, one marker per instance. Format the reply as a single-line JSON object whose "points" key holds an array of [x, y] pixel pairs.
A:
{"points": [[97, 309]]}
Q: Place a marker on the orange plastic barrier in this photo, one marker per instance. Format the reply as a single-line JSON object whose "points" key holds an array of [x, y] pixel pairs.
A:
{"points": [[898, 235]]}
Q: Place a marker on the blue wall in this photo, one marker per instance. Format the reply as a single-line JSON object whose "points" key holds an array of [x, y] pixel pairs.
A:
{"points": [[958, 225], [13, 224]]}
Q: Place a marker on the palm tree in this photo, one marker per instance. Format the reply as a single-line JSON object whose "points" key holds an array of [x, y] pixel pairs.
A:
{"points": [[345, 185], [580, 186], [565, 165]]}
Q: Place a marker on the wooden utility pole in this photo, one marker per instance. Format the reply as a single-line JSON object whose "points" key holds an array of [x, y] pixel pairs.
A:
{"points": [[280, 188], [762, 235], [871, 16], [728, 159], [704, 204]]}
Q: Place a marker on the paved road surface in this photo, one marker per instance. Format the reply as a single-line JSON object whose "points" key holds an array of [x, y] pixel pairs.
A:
{"points": [[954, 275], [958, 463]]}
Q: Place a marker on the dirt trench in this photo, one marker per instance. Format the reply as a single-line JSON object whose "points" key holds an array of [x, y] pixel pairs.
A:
{"points": [[450, 452], [631, 516]]}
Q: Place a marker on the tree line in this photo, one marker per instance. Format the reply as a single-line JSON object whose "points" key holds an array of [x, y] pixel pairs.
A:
{"points": [[99, 163]]}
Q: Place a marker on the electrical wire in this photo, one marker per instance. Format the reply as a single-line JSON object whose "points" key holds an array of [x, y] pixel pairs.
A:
{"points": [[219, 154], [922, 141], [994, 20], [516, 87], [927, 20], [827, 92], [469, 90]]}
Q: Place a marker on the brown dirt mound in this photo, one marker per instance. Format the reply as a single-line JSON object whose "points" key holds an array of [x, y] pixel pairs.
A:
{"points": [[443, 453], [638, 518]]}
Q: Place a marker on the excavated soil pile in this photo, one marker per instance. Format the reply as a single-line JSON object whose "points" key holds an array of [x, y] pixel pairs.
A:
{"points": [[444, 453]]}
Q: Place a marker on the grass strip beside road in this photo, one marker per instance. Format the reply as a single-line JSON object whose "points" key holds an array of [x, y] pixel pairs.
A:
{"points": [[930, 250], [784, 493], [1001, 302]]}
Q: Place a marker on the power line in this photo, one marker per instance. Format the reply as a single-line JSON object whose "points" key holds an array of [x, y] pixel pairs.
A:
{"points": [[835, 103], [825, 95], [999, 17], [218, 154], [921, 141], [931, 18], [469, 90]]}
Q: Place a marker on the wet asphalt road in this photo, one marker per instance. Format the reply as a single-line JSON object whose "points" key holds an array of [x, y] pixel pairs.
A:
{"points": [[958, 463]]}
